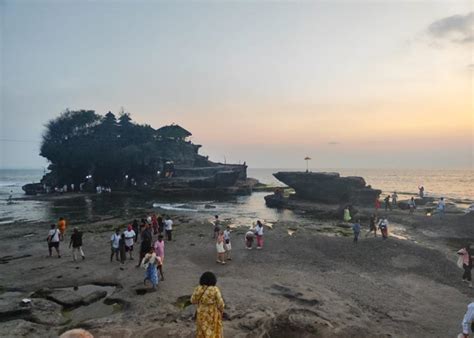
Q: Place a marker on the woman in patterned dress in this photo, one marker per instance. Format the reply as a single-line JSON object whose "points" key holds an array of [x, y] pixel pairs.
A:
{"points": [[210, 307]]}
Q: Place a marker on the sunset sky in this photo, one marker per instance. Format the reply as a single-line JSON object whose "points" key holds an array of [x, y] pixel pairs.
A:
{"points": [[352, 84]]}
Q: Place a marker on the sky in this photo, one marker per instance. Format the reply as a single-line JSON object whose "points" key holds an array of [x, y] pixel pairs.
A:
{"points": [[351, 84]]}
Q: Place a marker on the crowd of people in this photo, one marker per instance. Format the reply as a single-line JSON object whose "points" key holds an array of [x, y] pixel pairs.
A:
{"points": [[152, 231]]}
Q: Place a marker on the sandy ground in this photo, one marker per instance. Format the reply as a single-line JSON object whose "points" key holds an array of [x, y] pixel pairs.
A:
{"points": [[309, 284]]}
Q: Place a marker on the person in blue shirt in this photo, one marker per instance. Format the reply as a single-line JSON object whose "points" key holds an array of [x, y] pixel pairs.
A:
{"points": [[356, 229]]}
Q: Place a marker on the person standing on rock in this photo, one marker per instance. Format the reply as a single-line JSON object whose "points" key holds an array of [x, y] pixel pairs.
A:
{"points": [[154, 223], [76, 243], [217, 227], [394, 199], [412, 205], [372, 225], [249, 236], [383, 226], [356, 230], [53, 240], [161, 225], [227, 244], [160, 252], [122, 248], [387, 203], [130, 237], [114, 245], [347, 214], [377, 205], [150, 262], [421, 191], [441, 207], [220, 248], [145, 244], [210, 307], [169, 228], [136, 228], [466, 254], [259, 235]]}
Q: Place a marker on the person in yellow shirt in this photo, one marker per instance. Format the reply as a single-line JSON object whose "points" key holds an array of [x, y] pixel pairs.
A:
{"points": [[62, 228], [210, 307]]}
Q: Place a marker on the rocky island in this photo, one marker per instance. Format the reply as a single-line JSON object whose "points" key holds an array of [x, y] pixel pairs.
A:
{"points": [[90, 152], [322, 193]]}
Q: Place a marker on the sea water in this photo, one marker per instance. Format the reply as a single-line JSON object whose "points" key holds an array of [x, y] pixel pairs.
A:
{"points": [[455, 185]]}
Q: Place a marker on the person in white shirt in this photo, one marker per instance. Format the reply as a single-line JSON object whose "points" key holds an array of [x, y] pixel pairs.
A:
{"points": [[114, 245], [129, 239], [441, 207], [53, 240], [227, 244], [168, 228], [468, 320], [259, 234]]}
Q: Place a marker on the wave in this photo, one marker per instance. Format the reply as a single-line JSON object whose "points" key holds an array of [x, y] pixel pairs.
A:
{"points": [[174, 207]]}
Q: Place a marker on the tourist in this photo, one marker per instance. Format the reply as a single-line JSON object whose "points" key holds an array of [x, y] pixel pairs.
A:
{"points": [[387, 203], [441, 207], [76, 243], [130, 237], [466, 264], [150, 262], [145, 244], [372, 225], [249, 236], [143, 224], [123, 248], [412, 205], [161, 225], [169, 228], [421, 191], [259, 235], [227, 244], [468, 320], [114, 245], [154, 223], [383, 226], [53, 240], [160, 252], [377, 205], [356, 230], [217, 227], [394, 199], [347, 214], [135, 228], [210, 307], [220, 248], [62, 228]]}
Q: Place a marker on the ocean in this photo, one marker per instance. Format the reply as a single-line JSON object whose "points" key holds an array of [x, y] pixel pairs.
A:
{"points": [[455, 185]]}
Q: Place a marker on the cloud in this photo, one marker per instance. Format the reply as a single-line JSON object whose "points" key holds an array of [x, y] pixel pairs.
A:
{"points": [[455, 28]]}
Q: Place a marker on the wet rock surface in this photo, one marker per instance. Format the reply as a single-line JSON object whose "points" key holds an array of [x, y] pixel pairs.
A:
{"points": [[329, 188]]}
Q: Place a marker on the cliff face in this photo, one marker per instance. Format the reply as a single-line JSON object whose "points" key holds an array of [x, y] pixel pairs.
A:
{"points": [[329, 188]]}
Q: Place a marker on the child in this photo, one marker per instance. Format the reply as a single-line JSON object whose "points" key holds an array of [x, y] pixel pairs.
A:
{"points": [[259, 234], [356, 229], [227, 245]]}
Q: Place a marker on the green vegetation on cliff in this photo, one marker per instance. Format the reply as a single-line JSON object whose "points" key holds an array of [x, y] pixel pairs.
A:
{"points": [[80, 144]]}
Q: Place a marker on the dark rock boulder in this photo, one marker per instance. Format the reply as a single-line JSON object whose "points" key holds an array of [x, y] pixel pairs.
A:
{"points": [[329, 188]]}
